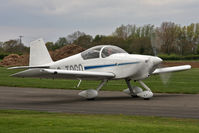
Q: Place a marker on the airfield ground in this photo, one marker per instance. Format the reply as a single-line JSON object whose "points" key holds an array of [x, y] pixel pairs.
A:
{"points": [[180, 82], [108, 102], [34, 122]]}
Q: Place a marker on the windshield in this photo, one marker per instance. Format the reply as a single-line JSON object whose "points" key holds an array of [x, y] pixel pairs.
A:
{"points": [[107, 51], [91, 53]]}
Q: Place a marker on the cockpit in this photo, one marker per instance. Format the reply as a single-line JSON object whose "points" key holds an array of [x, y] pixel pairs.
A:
{"points": [[101, 52]]}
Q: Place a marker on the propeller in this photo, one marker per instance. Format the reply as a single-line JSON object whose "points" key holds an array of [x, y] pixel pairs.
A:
{"points": [[163, 76]]}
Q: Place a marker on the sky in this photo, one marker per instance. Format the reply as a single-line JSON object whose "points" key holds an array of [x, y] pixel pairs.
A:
{"points": [[51, 19]]}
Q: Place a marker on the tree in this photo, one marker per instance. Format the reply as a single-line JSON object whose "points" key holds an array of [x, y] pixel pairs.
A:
{"points": [[84, 41], [125, 31], [193, 36], [121, 32], [168, 33], [50, 46], [14, 46], [1, 47], [74, 36], [61, 42], [147, 30], [97, 38]]}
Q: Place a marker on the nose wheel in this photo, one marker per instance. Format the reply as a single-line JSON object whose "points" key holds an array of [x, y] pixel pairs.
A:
{"points": [[137, 91]]}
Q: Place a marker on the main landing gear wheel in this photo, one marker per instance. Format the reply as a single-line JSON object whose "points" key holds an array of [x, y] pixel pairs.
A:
{"points": [[91, 94], [146, 98], [134, 96], [90, 99]]}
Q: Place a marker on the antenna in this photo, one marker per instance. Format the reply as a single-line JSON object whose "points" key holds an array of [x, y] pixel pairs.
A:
{"points": [[20, 38]]}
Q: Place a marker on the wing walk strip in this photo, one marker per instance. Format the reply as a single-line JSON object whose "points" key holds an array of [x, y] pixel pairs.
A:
{"points": [[109, 65]]}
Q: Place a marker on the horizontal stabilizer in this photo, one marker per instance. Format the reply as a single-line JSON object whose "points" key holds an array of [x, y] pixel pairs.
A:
{"points": [[172, 69], [28, 67]]}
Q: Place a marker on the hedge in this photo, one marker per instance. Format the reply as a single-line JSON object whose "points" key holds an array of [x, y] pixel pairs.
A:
{"points": [[179, 57]]}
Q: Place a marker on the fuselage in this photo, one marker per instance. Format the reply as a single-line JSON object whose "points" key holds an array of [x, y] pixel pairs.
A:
{"points": [[123, 65]]}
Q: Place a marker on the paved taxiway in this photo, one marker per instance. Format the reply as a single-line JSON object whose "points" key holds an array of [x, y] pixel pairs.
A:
{"points": [[57, 100]]}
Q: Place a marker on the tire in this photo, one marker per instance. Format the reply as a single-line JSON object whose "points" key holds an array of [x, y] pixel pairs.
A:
{"points": [[146, 98], [134, 96], [90, 99]]}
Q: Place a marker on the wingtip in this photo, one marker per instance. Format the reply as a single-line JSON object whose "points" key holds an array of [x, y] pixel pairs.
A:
{"points": [[10, 68], [188, 66]]}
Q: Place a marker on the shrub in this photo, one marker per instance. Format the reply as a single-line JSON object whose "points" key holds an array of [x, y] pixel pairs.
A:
{"points": [[179, 57], [2, 55]]}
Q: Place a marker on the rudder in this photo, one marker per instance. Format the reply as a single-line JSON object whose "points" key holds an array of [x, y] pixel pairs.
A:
{"points": [[39, 54]]}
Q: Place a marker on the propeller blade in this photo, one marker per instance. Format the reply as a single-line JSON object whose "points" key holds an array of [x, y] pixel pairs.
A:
{"points": [[153, 44], [164, 76]]}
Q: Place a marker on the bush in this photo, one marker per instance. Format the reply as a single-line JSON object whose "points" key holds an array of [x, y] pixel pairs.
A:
{"points": [[2, 55], [179, 57]]}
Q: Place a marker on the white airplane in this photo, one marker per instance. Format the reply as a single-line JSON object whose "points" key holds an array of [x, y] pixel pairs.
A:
{"points": [[105, 62]]}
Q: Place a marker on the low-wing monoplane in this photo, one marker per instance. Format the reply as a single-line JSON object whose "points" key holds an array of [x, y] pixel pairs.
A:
{"points": [[104, 62]]}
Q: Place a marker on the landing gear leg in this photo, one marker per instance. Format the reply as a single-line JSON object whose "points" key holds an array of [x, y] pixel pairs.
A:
{"points": [[91, 94], [102, 84], [145, 94], [130, 87], [144, 85], [77, 86]]}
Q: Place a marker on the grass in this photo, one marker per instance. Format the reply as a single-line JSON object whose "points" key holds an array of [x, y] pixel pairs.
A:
{"points": [[180, 82], [13, 121]]}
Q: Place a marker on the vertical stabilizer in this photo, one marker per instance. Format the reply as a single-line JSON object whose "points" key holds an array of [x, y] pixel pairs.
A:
{"points": [[39, 54]]}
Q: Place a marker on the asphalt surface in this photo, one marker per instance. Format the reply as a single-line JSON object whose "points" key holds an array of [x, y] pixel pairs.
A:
{"points": [[108, 102]]}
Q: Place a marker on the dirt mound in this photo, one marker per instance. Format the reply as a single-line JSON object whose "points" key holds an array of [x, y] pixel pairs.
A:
{"points": [[23, 60], [66, 51], [15, 60], [194, 64]]}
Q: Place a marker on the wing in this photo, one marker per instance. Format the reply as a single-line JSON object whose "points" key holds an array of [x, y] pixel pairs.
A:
{"points": [[79, 74], [64, 74], [171, 69]]}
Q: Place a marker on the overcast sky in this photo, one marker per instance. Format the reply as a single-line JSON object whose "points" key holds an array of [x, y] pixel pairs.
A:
{"points": [[50, 19]]}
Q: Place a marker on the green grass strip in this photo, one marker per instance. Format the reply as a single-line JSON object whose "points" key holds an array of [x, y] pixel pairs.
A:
{"points": [[12, 121], [179, 82]]}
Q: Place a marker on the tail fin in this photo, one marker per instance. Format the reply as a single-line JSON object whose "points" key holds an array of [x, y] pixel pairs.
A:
{"points": [[39, 54]]}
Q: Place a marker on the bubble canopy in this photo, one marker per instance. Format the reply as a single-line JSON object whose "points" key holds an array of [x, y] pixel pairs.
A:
{"points": [[102, 51]]}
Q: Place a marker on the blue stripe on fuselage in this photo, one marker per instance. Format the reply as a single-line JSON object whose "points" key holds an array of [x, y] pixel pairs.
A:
{"points": [[128, 63], [109, 65]]}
